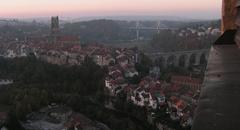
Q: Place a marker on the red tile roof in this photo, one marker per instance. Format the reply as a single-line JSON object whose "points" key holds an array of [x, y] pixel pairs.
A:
{"points": [[68, 38], [180, 104], [185, 79]]}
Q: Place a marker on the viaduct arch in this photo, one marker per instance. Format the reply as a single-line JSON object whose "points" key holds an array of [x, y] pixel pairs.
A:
{"points": [[180, 58]]}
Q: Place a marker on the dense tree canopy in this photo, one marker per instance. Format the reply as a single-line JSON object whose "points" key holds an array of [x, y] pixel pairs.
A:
{"points": [[37, 83]]}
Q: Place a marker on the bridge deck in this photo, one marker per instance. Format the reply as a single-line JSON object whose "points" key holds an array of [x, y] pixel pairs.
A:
{"points": [[178, 52]]}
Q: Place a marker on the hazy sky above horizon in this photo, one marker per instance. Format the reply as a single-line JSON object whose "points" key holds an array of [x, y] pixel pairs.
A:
{"points": [[206, 9]]}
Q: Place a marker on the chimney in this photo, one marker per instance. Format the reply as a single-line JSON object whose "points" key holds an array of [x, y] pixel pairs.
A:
{"points": [[229, 13]]}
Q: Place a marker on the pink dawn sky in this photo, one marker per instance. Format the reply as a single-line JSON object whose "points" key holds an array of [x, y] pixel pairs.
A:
{"points": [[77, 8]]}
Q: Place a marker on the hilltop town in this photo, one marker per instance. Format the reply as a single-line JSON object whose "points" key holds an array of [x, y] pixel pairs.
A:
{"points": [[167, 95]]}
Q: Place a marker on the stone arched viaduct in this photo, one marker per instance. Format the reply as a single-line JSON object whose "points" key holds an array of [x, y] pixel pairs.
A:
{"points": [[180, 58]]}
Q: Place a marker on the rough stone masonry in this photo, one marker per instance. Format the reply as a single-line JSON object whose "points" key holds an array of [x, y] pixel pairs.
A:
{"points": [[229, 13]]}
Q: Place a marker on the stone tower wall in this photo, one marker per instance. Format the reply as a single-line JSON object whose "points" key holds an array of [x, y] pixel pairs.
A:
{"points": [[229, 14]]}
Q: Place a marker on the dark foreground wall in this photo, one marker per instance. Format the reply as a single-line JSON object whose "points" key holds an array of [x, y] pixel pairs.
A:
{"points": [[219, 103]]}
